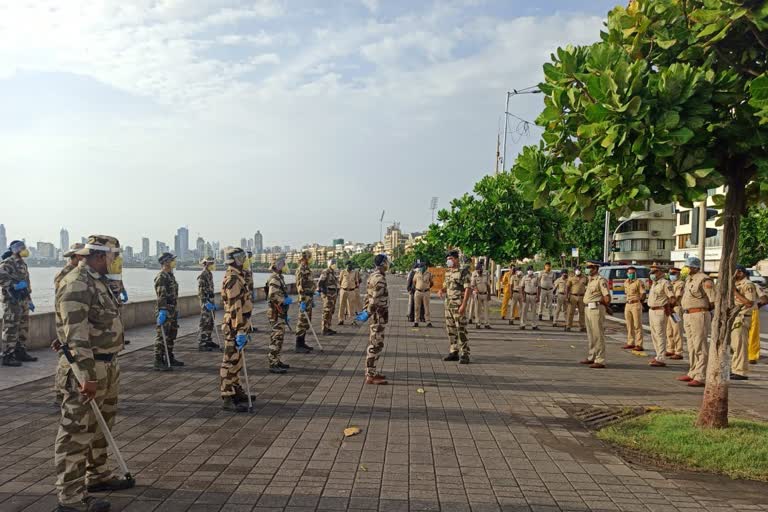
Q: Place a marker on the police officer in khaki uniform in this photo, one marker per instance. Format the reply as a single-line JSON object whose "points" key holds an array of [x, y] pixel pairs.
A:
{"points": [[349, 285], [546, 287], [597, 299], [698, 301], [481, 290], [517, 297], [674, 337], [559, 289], [745, 295], [633, 310], [661, 299], [529, 288], [574, 297], [422, 282]]}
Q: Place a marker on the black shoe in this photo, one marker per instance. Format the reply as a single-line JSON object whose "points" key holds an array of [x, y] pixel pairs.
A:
{"points": [[126, 342], [540, 318], [429, 324], [477, 326], [204, 347], [453, 356], [464, 360], [736, 376], [522, 327], [277, 369], [303, 349], [113, 484], [240, 396], [341, 322], [213, 344], [511, 322], [175, 362], [328, 332], [415, 324], [487, 326], [9, 359], [283, 365], [535, 327], [230, 405], [567, 329], [23, 356], [89, 504], [160, 364]]}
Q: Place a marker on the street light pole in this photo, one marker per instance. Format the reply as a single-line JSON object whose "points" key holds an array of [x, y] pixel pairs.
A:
{"points": [[506, 124]]}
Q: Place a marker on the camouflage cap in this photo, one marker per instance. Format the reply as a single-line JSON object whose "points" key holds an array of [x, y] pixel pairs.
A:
{"points": [[104, 243], [165, 258], [73, 249], [307, 255], [207, 261], [230, 253]]}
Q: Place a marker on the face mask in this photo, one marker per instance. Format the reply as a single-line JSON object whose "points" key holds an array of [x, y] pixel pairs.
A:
{"points": [[519, 273], [449, 263], [673, 277], [654, 277], [211, 267], [530, 272], [24, 253], [115, 268], [422, 269], [173, 264], [332, 267], [630, 275], [280, 267], [577, 272]]}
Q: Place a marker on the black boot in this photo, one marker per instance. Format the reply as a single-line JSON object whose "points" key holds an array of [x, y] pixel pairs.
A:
{"points": [[453, 356], [203, 346], [161, 365], [174, 361], [89, 504], [113, 484], [240, 396], [9, 359], [23, 356], [328, 332], [301, 345], [230, 405]]}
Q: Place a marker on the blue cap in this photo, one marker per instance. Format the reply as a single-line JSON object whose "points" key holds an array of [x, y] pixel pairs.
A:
{"points": [[693, 261], [380, 260], [742, 268]]}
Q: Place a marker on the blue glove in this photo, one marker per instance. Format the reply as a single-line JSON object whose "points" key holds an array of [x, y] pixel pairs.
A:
{"points": [[362, 316], [21, 285], [210, 306], [303, 307], [31, 306], [241, 340], [123, 296], [288, 300], [162, 316]]}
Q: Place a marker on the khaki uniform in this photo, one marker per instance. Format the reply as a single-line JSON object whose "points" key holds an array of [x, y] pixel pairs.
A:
{"points": [[329, 287], [237, 313], [306, 288], [13, 270], [547, 286], [594, 315], [92, 328], [377, 305], [506, 294], [529, 288], [349, 294], [575, 289], [481, 289], [633, 312], [517, 296], [698, 297], [659, 304], [205, 292], [559, 289], [167, 291], [674, 337], [454, 284], [741, 326], [422, 282]]}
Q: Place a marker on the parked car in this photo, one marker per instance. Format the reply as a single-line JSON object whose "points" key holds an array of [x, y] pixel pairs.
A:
{"points": [[616, 275], [756, 277]]}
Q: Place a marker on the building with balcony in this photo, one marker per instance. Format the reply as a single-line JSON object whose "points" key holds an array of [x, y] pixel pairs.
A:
{"points": [[713, 246], [646, 236]]}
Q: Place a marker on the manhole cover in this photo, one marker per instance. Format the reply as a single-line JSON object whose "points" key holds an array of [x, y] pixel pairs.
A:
{"points": [[595, 418]]}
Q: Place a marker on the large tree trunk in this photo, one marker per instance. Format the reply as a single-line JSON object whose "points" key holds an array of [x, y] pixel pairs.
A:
{"points": [[714, 406]]}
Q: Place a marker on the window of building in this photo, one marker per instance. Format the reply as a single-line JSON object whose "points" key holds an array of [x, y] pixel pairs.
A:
{"points": [[715, 241], [640, 245], [634, 225], [684, 242], [661, 244], [685, 218]]}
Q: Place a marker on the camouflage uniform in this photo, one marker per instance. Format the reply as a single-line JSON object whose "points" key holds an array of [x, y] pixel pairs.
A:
{"points": [[69, 267], [329, 286], [237, 309], [248, 278], [205, 293], [167, 291], [276, 295], [92, 328], [377, 305], [306, 288], [454, 284], [13, 270]]}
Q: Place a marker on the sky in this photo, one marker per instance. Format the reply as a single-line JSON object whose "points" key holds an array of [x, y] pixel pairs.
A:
{"points": [[302, 119]]}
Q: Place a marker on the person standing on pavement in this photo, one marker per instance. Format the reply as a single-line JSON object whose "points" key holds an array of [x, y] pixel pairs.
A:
{"points": [[481, 290], [422, 283], [167, 291], [305, 285], [661, 300], [207, 295], [277, 315], [238, 307], [349, 283], [698, 301], [745, 296], [91, 329], [506, 295], [633, 310], [456, 290], [546, 287], [574, 297], [517, 296], [411, 317], [559, 290], [529, 289], [674, 337], [17, 300], [376, 311], [597, 300], [329, 288]]}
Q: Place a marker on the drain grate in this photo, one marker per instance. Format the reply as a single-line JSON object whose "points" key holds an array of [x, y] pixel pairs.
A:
{"points": [[595, 418]]}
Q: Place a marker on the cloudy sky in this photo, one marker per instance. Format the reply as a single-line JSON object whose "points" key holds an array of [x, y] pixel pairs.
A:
{"points": [[304, 119]]}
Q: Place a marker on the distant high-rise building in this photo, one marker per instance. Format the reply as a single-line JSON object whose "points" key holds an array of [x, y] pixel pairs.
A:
{"points": [[3, 238], [258, 242], [128, 253], [208, 251], [243, 243], [183, 243], [159, 248], [83, 240], [250, 245], [64, 240], [200, 244], [144, 248], [46, 250], [286, 248]]}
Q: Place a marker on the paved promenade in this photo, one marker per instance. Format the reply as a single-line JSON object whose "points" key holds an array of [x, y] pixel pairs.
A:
{"points": [[492, 435]]}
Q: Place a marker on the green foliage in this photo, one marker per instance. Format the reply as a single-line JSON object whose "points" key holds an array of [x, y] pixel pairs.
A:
{"points": [[364, 260], [587, 235], [753, 236], [497, 221]]}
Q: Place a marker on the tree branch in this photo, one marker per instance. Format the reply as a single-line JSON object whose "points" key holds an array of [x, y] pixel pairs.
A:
{"points": [[757, 36]]}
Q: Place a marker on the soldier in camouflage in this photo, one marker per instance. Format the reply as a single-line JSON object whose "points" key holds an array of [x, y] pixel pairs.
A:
{"points": [[207, 295], [248, 276], [277, 314], [456, 289], [93, 331], [237, 310], [73, 259], [167, 291], [306, 288], [329, 288], [17, 292], [376, 310]]}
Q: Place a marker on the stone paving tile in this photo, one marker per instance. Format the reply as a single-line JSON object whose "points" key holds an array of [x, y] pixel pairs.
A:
{"points": [[490, 436]]}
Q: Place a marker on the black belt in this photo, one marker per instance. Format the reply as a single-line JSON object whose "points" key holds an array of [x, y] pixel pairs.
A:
{"points": [[531, 293], [107, 358], [577, 294], [423, 291], [350, 289], [546, 289]]}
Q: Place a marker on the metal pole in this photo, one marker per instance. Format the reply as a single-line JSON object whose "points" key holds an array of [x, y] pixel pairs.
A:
{"points": [[165, 346], [247, 382], [606, 240], [317, 340], [504, 149], [702, 231]]}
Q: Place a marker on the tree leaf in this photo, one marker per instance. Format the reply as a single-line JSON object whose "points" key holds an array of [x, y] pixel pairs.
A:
{"points": [[681, 136]]}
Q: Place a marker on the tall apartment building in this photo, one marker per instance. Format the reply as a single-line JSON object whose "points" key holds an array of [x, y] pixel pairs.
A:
{"points": [[647, 236], [713, 246]]}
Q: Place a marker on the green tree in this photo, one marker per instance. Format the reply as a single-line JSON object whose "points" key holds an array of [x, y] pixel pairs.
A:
{"points": [[587, 234], [432, 247], [753, 236], [671, 102], [497, 221], [363, 260]]}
